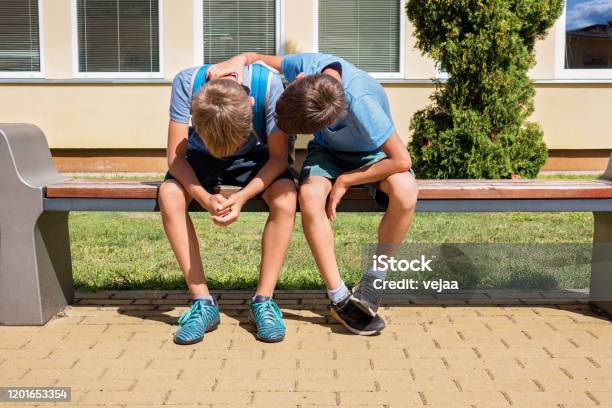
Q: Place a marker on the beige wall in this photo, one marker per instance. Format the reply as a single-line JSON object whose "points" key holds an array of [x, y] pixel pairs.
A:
{"points": [[134, 115], [57, 39], [178, 45], [299, 26], [91, 116], [575, 116]]}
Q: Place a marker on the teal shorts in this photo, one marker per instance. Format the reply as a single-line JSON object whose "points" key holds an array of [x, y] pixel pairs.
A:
{"points": [[324, 162]]}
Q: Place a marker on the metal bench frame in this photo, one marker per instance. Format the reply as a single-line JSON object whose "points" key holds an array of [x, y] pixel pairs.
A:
{"points": [[35, 263]]}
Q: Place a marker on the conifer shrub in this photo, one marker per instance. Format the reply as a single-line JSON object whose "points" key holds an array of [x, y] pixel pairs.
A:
{"points": [[477, 124]]}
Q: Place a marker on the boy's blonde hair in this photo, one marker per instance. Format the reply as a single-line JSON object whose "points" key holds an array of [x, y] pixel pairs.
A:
{"points": [[221, 114]]}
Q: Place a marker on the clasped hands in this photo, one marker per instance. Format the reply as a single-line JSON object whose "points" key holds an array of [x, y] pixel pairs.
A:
{"points": [[223, 211]]}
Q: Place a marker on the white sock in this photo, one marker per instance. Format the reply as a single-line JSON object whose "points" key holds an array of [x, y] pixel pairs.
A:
{"points": [[208, 299], [376, 274], [338, 294]]}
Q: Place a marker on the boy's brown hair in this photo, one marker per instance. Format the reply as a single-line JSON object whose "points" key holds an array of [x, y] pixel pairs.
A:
{"points": [[310, 104], [221, 114]]}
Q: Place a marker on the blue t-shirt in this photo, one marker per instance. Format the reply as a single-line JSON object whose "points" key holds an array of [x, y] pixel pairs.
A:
{"points": [[180, 101], [368, 124]]}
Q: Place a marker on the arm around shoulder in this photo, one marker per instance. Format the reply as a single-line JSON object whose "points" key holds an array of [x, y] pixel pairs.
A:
{"points": [[237, 64], [273, 61]]}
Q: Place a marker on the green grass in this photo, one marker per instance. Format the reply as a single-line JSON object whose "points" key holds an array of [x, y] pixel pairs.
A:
{"points": [[569, 177], [130, 250]]}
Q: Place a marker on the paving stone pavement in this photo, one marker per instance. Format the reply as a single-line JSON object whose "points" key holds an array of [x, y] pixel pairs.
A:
{"points": [[115, 349]]}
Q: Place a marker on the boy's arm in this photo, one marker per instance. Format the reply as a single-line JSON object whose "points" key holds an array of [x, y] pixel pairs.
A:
{"points": [[181, 170], [274, 167], [398, 161], [236, 65]]}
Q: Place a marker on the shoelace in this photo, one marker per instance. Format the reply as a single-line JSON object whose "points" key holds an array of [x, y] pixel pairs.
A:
{"points": [[194, 312], [268, 313]]}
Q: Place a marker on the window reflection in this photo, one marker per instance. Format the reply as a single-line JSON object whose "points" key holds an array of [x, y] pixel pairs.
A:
{"points": [[588, 34]]}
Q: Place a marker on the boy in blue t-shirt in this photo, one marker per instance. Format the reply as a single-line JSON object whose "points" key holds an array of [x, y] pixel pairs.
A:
{"points": [[355, 143], [234, 141]]}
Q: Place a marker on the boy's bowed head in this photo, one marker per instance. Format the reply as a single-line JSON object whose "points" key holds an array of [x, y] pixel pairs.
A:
{"points": [[311, 103], [222, 115]]}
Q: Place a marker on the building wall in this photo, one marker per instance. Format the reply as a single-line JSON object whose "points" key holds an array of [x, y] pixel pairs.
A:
{"points": [[133, 114]]}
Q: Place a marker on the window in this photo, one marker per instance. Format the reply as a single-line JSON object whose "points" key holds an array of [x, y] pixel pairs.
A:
{"points": [[367, 33], [231, 27], [118, 38], [19, 38], [585, 40]]}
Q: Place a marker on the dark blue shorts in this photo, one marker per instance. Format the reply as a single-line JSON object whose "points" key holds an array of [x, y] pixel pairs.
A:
{"points": [[229, 171]]}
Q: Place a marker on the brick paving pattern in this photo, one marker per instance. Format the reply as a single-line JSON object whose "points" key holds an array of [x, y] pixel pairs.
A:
{"points": [[115, 348]]}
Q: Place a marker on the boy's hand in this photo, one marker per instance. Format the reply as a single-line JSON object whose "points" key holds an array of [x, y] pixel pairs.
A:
{"points": [[230, 211], [337, 192], [214, 204], [234, 65]]}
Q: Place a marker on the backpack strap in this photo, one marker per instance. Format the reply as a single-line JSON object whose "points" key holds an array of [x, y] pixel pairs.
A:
{"points": [[199, 79], [260, 81]]}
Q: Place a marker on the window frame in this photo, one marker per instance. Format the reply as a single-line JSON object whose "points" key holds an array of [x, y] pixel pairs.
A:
{"points": [[596, 75], [402, 43], [114, 75], [32, 74], [198, 30]]}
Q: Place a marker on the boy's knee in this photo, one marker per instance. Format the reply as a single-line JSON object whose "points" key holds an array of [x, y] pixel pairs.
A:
{"points": [[403, 191], [282, 197], [171, 197], [312, 197]]}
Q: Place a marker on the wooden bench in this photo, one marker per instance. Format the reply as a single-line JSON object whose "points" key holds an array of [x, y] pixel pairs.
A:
{"points": [[35, 200]]}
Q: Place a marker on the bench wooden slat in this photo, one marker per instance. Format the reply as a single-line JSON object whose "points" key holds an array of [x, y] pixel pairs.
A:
{"points": [[429, 189]]}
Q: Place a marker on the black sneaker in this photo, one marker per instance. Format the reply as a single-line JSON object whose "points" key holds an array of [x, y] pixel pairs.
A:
{"points": [[366, 296], [355, 319]]}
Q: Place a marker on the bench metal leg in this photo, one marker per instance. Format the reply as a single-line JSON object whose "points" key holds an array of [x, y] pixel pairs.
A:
{"points": [[601, 269], [35, 264]]}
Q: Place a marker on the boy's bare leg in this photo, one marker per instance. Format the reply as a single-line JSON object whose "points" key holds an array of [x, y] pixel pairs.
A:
{"points": [[402, 190], [317, 228], [174, 203], [281, 198]]}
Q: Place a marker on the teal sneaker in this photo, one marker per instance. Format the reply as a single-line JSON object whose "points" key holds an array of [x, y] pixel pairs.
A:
{"points": [[268, 320], [201, 317]]}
